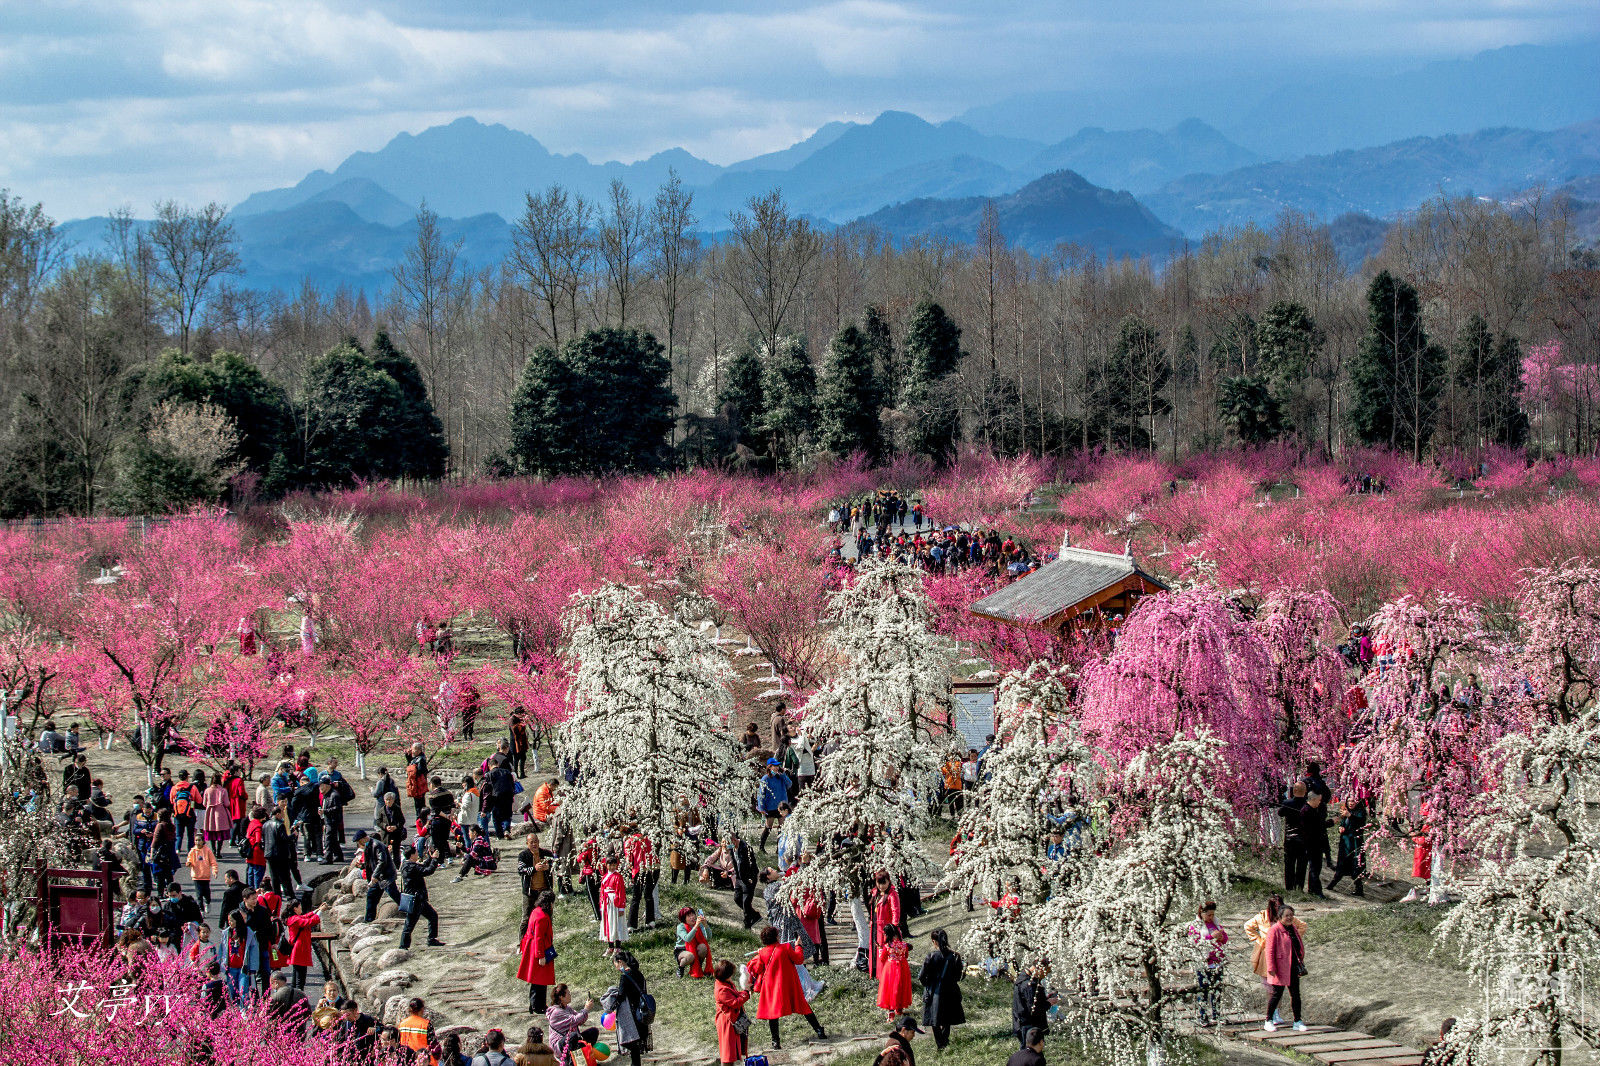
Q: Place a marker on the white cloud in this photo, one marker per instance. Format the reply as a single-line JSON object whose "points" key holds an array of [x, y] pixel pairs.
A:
{"points": [[112, 100]]}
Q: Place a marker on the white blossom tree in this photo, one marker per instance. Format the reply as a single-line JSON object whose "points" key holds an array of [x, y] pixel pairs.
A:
{"points": [[1529, 930], [1004, 829], [649, 718], [886, 705], [1117, 940]]}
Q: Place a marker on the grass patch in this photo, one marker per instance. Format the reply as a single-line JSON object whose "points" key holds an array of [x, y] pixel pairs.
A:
{"points": [[1404, 929]]}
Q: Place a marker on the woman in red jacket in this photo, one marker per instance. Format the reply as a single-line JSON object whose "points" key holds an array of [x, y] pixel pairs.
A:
{"points": [[773, 977], [885, 911], [298, 928], [538, 966], [731, 1044]]}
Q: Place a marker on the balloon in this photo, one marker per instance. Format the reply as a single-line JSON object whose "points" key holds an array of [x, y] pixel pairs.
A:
{"points": [[608, 1020], [602, 1050]]}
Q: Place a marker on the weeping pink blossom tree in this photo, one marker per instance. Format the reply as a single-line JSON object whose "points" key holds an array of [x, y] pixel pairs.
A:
{"points": [[1187, 661]]}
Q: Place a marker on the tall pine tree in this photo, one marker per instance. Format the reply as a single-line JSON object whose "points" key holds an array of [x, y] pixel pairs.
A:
{"points": [[789, 400], [847, 400], [927, 407], [1397, 375], [1488, 372], [741, 402], [419, 444]]}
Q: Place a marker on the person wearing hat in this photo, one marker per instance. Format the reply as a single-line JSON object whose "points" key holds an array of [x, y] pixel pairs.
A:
{"points": [[897, 1051], [775, 790]]}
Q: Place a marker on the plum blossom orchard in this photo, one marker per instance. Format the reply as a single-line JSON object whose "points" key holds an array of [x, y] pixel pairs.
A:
{"points": [[1432, 646]]}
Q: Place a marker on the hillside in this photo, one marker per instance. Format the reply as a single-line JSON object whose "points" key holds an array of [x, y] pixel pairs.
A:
{"points": [[1059, 208], [1383, 181]]}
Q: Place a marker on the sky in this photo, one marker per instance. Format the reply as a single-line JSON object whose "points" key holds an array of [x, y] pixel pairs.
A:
{"points": [[106, 103]]}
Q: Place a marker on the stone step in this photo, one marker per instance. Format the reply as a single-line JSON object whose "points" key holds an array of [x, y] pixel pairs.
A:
{"points": [[1299, 1040], [1362, 1055], [1343, 1044]]}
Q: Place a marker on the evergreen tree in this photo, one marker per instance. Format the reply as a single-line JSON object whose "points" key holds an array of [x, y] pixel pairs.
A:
{"points": [[1397, 374], [1489, 372], [353, 411], [741, 401], [1287, 342], [789, 395], [847, 410], [1135, 383], [419, 445], [257, 406], [884, 360], [1249, 408], [932, 354], [600, 404]]}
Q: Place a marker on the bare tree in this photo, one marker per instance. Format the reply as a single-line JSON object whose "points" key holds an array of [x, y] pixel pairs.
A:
{"points": [[551, 245], [621, 240], [193, 248], [675, 257], [30, 251], [431, 294], [768, 262]]}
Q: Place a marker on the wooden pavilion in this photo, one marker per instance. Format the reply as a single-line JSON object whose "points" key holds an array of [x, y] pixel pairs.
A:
{"points": [[1080, 589]]}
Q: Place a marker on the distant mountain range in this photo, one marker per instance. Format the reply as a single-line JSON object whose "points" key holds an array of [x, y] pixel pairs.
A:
{"points": [[1059, 208], [1117, 191]]}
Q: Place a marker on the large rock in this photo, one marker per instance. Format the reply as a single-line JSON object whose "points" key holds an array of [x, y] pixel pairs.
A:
{"points": [[464, 1031], [388, 982], [388, 909], [394, 1009], [350, 911], [392, 958]]}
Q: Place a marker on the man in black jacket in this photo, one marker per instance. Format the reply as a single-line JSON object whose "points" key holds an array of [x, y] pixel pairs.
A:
{"points": [[182, 908], [354, 1031], [332, 821], [1314, 841], [1032, 1053], [260, 922], [76, 775], [413, 882], [745, 872], [305, 814], [278, 846], [1030, 1004], [381, 873], [232, 897], [391, 825], [501, 786], [1294, 852]]}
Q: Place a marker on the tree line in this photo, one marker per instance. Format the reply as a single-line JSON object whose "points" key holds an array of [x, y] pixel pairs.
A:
{"points": [[620, 336]]}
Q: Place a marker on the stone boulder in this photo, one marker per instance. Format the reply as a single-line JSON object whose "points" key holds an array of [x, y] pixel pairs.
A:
{"points": [[389, 982], [388, 909], [392, 958], [394, 1009]]}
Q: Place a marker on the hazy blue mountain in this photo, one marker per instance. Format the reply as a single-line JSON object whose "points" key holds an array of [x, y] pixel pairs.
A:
{"points": [[1528, 86], [368, 200], [1059, 208], [1382, 181], [1304, 109], [785, 158], [835, 181], [468, 168], [1143, 160]]}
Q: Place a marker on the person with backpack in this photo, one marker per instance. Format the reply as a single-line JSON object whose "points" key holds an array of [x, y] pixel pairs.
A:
{"points": [[184, 800], [634, 1006], [202, 863], [494, 1051], [417, 778]]}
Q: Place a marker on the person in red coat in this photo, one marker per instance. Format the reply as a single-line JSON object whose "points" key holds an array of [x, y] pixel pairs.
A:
{"points": [[773, 977], [894, 973], [885, 911], [538, 966], [731, 1044], [1285, 954], [298, 928]]}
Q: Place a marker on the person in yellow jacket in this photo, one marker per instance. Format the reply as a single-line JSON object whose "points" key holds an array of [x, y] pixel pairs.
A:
{"points": [[202, 863], [416, 1033], [1258, 927]]}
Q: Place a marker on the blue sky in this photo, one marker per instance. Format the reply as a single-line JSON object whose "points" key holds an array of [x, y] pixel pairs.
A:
{"points": [[106, 103]]}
